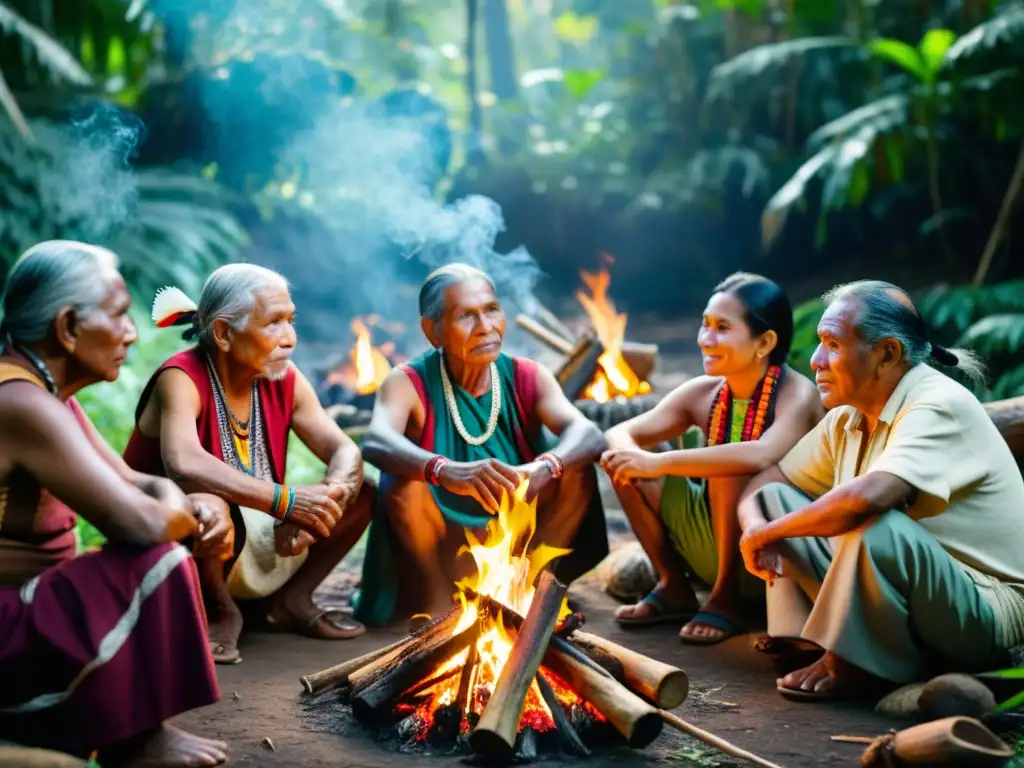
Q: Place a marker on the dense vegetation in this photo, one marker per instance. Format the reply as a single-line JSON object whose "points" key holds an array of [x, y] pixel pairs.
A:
{"points": [[811, 140]]}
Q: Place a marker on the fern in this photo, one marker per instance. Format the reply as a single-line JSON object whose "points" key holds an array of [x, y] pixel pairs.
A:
{"points": [[995, 335], [1006, 29]]}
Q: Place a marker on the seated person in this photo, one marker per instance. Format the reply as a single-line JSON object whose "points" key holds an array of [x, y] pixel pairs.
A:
{"points": [[893, 533], [216, 418], [100, 650], [455, 430], [753, 409]]}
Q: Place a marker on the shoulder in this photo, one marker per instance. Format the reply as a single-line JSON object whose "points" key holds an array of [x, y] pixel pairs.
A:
{"points": [[800, 390], [696, 390], [25, 406], [403, 381], [936, 392]]}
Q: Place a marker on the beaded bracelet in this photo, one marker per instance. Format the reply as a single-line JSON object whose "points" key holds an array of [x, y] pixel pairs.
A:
{"points": [[284, 502], [432, 469], [554, 464]]}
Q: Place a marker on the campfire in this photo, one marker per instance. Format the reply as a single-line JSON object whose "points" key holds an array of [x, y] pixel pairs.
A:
{"points": [[367, 366], [614, 376], [508, 671]]}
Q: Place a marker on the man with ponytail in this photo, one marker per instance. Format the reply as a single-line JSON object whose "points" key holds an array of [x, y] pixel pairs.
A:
{"points": [[216, 418], [892, 535]]}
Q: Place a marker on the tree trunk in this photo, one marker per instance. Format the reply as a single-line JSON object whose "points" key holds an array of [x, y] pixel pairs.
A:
{"points": [[474, 135], [500, 55]]}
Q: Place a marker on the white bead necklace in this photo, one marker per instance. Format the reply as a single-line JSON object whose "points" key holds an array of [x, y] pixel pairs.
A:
{"points": [[453, 408]]}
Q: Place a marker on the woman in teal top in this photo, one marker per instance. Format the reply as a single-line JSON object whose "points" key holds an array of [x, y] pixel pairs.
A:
{"points": [[752, 408]]}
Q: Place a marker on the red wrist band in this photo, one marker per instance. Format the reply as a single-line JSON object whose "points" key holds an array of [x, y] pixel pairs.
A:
{"points": [[432, 469], [554, 463]]}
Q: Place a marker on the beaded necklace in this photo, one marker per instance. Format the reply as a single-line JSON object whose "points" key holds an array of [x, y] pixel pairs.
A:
{"points": [[760, 412], [253, 458]]}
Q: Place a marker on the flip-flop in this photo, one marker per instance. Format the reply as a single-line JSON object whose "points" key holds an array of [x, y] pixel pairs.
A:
{"points": [[796, 694], [660, 613], [728, 627], [337, 619], [224, 654]]}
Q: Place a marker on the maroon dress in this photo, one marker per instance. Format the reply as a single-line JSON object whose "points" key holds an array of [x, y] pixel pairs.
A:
{"points": [[94, 648]]}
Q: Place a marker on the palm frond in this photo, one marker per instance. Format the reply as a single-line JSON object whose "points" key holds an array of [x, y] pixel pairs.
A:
{"points": [[710, 168], [842, 151], [729, 76], [994, 335], [50, 54], [1009, 384], [1005, 30]]}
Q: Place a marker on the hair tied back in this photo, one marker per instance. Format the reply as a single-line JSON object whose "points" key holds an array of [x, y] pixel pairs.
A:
{"points": [[172, 307], [944, 356]]}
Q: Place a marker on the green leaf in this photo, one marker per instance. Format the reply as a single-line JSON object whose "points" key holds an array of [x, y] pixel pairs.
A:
{"points": [[781, 203], [48, 51], [1006, 30], [575, 29], [1001, 334], [933, 47], [727, 77], [580, 82], [905, 56]]}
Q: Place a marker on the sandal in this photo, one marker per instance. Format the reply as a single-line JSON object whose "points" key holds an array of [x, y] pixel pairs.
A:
{"points": [[326, 624], [728, 627], [659, 613], [224, 654]]}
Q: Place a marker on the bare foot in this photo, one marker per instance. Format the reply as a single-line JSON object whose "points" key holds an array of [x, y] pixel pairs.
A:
{"points": [[223, 632], [828, 677], [705, 632], [660, 604], [171, 747], [306, 618]]}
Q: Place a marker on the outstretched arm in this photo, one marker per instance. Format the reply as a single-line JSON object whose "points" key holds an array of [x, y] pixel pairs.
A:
{"points": [[580, 441], [665, 421], [328, 442], [38, 433]]}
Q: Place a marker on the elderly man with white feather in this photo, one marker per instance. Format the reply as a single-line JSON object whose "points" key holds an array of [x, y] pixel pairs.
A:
{"points": [[217, 418]]}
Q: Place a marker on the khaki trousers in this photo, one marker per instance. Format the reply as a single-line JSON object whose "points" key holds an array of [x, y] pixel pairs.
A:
{"points": [[886, 597]]}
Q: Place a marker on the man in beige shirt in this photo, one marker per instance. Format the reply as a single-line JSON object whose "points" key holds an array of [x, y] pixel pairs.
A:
{"points": [[892, 535]]}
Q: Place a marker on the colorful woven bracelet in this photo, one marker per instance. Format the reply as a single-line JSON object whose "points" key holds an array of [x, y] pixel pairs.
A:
{"points": [[291, 503], [276, 504]]}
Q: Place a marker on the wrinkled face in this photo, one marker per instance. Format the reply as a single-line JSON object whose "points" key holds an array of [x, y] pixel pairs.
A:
{"points": [[472, 326], [102, 336], [266, 343], [844, 364], [725, 340]]}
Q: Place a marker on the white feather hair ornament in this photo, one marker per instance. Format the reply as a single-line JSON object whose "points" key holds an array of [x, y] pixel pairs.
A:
{"points": [[172, 307]]}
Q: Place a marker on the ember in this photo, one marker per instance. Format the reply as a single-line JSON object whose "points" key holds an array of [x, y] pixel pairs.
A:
{"points": [[507, 671]]}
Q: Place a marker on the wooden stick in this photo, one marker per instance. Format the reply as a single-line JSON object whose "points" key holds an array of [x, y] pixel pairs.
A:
{"points": [[495, 734], [630, 715], [574, 745], [1008, 416], [550, 319], [853, 739], [443, 626], [429, 683], [542, 334], [466, 682], [338, 675], [715, 741], [373, 702], [661, 683]]}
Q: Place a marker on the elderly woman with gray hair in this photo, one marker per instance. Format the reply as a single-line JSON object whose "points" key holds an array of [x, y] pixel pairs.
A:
{"points": [[892, 534], [456, 429], [217, 418], [98, 650]]}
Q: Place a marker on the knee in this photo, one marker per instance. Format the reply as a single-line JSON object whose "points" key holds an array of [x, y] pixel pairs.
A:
{"points": [[361, 508], [771, 499], [887, 536]]}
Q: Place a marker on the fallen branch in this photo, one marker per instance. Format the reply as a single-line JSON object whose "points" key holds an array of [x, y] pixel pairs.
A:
{"points": [[338, 675], [715, 741]]}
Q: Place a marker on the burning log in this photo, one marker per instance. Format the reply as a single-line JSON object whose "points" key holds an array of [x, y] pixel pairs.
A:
{"points": [[441, 627], [664, 685], [570, 738], [580, 367], [372, 702], [495, 734], [338, 675], [642, 358], [639, 722]]}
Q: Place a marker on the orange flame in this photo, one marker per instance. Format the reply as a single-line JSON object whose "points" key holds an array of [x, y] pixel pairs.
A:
{"points": [[614, 376], [368, 365], [505, 571]]}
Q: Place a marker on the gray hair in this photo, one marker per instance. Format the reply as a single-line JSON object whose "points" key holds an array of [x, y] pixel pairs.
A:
{"points": [[49, 277], [440, 280], [230, 294], [888, 312]]}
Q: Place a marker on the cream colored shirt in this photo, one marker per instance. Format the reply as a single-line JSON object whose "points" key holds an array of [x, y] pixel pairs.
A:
{"points": [[934, 434]]}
